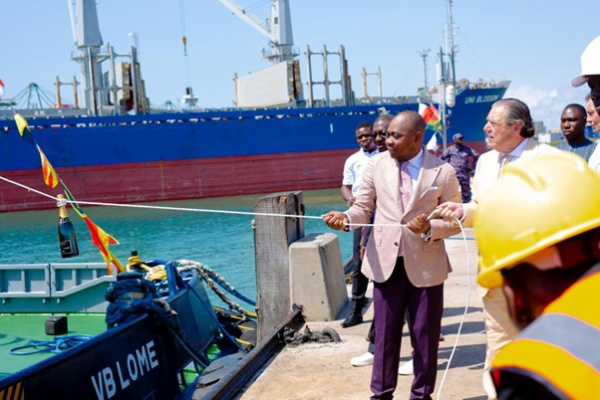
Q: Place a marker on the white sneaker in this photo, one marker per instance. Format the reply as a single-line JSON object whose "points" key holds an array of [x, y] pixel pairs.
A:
{"points": [[362, 361], [406, 368]]}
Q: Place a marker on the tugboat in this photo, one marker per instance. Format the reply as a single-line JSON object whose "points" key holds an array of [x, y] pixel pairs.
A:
{"points": [[162, 331]]}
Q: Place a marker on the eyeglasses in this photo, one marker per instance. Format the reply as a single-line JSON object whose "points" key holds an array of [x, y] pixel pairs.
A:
{"points": [[383, 134], [366, 135]]}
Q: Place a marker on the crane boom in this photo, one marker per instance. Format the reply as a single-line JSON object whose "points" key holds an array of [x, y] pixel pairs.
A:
{"points": [[277, 28], [248, 17]]}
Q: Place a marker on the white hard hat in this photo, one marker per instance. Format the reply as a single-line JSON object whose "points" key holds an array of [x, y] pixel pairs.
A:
{"points": [[590, 62]]}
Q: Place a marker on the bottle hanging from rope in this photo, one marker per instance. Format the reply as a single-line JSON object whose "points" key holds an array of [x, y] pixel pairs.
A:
{"points": [[66, 232]]}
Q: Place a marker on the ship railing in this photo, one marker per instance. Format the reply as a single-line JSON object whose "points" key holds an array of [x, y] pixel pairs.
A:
{"points": [[368, 110]]}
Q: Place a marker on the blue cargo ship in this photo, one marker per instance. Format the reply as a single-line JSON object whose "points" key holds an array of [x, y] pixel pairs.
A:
{"points": [[115, 149]]}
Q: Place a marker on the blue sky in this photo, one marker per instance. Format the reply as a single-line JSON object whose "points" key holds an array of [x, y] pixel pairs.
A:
{"points": [[534, 43]]}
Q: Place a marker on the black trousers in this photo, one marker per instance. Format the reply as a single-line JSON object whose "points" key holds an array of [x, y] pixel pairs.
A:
{"points": [[359, 281]]}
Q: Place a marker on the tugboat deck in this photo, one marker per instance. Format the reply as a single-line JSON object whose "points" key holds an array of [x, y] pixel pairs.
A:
{"points": [[20, 329]]}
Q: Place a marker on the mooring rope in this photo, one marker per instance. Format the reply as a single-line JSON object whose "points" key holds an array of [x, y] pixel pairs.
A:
{"points": [[202, 210], [56, 345], [205, 274], [464, 315]]}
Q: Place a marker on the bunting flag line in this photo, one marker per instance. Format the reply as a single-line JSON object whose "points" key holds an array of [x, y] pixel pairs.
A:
{"points": [[430, 115], [50, 177], [72, 201], [100, 238], [23, 128]]}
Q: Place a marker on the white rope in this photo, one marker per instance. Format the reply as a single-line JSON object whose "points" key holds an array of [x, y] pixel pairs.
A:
{"points": [[203, 210], [464, 237], [28, 188], [462, 320]]}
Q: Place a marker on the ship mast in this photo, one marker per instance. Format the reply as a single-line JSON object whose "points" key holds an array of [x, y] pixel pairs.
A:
{"points": [[278, 28], [88, 40], [424, 53], [450, 48], [446, 75]]}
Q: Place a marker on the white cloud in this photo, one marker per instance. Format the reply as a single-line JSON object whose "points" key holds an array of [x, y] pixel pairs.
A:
{"points": [[546, 104]]}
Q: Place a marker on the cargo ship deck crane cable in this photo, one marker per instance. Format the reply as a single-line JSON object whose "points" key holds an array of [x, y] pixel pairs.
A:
{"points": [[188, 99]]}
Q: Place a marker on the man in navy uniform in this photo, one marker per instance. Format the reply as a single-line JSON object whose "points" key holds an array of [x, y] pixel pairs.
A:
{"points": [[463, 159]]}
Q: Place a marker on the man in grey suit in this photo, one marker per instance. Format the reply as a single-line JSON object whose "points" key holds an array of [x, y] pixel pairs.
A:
{"points": [[405, 256]]}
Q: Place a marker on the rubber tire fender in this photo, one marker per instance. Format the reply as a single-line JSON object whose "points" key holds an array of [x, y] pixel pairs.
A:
{"points": [[330, 332]]}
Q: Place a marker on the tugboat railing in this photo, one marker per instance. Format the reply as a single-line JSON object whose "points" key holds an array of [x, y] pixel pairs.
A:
{"points": [[54, 287]]}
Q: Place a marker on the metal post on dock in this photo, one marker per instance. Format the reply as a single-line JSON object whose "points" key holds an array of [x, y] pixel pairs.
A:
{"points": [[272, 238]]}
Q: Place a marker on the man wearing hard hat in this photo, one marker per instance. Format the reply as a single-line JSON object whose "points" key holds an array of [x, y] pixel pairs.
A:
{"points": [[590, 74], [544, 252]]}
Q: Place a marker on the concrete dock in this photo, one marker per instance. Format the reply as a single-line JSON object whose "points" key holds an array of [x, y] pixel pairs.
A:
{"points": [[323, 371]]}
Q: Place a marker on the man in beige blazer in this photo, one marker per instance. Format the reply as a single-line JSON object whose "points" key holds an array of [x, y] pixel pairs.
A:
{"points": [[509, 131], [405, 256]]}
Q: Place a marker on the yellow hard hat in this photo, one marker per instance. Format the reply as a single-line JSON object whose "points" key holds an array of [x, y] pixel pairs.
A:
{"points": [[534, 205]]}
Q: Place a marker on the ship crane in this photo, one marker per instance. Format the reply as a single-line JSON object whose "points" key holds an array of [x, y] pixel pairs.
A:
{"points": [[278, 29], [189, 98], [34, 97], [121, 89]]}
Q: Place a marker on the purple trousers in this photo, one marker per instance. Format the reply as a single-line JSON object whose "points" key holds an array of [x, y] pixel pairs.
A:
{"points": [[425, 306]]}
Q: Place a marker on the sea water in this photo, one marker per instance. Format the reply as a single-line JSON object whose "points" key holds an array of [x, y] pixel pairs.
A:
{"points": [[221, 241]]}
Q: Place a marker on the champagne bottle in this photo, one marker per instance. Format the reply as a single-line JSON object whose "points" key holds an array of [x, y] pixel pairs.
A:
{"points": [[66, 232]]}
